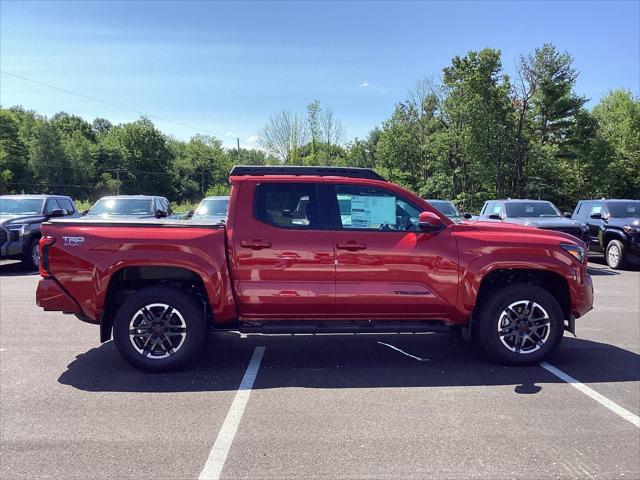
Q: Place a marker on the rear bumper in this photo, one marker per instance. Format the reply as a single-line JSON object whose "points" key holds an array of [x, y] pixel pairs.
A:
{"points": [[51, 297]]}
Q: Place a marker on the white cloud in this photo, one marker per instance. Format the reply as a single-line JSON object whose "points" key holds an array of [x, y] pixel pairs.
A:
{"points": [[373, 86]]}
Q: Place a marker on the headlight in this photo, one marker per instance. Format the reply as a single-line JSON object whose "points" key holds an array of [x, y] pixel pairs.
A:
{"points": [[18, 227], [631, 229], [574, 250]]}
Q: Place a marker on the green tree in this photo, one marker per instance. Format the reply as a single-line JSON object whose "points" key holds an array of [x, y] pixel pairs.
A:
{"points": [[14, 172], [142, 151], [618, 117]]}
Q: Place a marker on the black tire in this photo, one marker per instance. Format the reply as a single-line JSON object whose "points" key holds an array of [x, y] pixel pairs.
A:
{"points": [[189, 312], [493, 314], [616, 255], [29, 261]]}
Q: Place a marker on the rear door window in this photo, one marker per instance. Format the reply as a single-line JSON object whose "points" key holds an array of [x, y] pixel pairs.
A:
{"points": [[288, 205]]}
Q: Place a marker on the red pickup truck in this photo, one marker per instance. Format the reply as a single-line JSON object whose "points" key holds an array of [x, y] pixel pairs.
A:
{"points": [[314, 249]]}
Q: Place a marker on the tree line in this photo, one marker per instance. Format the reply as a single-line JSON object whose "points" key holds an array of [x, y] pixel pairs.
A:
{"points": [[473, 134]]}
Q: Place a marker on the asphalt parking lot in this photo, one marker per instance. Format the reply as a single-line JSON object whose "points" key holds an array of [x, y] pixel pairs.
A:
{"points": [[323, 406]]}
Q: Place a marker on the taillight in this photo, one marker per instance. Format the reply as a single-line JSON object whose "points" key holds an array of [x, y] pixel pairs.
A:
{"points": [[45, 243]]}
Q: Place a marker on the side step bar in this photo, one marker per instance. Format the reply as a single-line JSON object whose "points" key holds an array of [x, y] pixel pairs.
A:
{"points": [[286, 327]]}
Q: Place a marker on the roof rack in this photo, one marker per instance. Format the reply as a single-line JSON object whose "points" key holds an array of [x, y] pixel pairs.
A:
{"points": [[260, 170]]}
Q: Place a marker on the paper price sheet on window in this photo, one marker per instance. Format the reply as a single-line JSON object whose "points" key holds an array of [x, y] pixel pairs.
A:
{"points": [[371, 211]]}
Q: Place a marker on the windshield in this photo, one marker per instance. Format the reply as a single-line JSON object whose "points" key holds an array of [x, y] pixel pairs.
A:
{"points": [[531, 209], [122, 206], [624, 209], [213, 206], [20, 206], [446, 208]]}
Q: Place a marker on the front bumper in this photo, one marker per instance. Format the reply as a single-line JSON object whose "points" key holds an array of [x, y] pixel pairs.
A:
{"points": [[11, 243], [582, 297], [12, 249]]}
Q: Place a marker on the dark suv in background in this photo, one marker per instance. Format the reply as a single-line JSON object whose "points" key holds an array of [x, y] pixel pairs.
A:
{"points": [[534, 213], [614, 229], [20, 219]]}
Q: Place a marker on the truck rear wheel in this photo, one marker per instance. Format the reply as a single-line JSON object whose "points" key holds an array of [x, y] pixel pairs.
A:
{"points": [[520, 324], [159, 329]]}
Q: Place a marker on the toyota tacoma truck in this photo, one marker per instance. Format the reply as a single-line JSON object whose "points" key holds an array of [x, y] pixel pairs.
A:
{"points": [[314, 249]]}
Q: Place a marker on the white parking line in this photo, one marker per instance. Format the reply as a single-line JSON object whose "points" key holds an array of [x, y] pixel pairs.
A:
{"points": [[218, 455], [611, 405], [404, 353]]}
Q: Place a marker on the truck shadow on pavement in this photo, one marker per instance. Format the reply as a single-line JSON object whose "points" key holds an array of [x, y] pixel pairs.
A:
{"points": [[14, 269], [350, 361]]}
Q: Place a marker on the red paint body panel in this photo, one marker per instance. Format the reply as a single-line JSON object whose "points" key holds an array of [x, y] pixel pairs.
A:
{"points": [[252, 270]]}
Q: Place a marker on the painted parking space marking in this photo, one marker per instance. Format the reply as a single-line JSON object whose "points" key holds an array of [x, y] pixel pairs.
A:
{"points": [[404, 353], [611, 405], [218, 455]]}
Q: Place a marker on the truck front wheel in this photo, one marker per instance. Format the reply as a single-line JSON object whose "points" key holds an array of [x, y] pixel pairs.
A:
{"points": [[159, 329], [520, 324]]}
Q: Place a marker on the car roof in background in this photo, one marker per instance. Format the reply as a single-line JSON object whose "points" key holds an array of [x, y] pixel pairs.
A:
{"points": [[34, 195], [130, 197]]}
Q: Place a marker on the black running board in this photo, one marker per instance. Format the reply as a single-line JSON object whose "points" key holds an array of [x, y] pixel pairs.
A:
{"points": [[287, 327]]}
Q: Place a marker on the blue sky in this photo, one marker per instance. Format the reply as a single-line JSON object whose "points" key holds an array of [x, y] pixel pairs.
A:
{"points": [[225, 67]]}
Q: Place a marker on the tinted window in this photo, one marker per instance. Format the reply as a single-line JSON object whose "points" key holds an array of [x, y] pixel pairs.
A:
{"points": [[531, 209], [375, 209], [287, 205], [446, 208], [596, 208], [66, 205], [624, 209], [51, 205], [583, 209]]}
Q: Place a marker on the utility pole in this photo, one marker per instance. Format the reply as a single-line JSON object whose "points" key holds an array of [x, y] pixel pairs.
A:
{"points": [[238, 139], [117, 171]]}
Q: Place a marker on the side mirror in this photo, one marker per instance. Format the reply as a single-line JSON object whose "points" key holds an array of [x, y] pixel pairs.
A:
{"points": [[567, 214], [161, 214], [84, 212], [596, 216], [58, 212], [190, 213], [495, 216], [467, 215], [429, 222]]}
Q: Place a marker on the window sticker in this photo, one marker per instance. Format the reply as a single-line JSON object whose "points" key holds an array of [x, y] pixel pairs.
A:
{"points": [[367, 211]]}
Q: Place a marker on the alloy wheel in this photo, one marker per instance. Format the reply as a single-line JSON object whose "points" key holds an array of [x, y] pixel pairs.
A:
{"points": [[524, 326], [157, 331]]}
